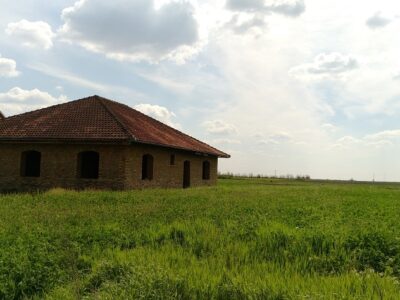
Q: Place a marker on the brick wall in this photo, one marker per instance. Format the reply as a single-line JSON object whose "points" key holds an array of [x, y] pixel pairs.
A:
{"points": [[119, 167], [166, 175], [59, 167]]}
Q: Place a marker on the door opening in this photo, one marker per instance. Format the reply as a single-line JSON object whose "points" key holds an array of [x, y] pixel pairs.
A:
{"points": [[186, 174]]}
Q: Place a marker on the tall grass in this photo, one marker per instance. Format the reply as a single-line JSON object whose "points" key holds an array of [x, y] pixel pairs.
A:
{"points": [[244, 239]]}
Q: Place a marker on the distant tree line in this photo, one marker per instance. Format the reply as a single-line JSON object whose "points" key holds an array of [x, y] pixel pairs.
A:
{"points": [[230, 175]]}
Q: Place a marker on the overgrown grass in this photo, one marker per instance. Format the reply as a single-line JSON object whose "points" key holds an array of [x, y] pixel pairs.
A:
{"points": [[244, 239]]}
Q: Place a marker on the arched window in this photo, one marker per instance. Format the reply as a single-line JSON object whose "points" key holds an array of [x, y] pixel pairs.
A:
{"points": [[147, 167], [88, 165], [30, 163], [206, 170]]}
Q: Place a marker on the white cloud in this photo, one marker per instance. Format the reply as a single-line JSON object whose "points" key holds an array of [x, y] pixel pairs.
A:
{"points": [[382, 139], [378, 21], [136, 31], [276, 139], [325, 65], [329, 127], [66, 76], [219, 127], [18, 100], [258, 135], [348, 140], [32, 34], [157, 112], [267, 142], [291, 8], [90, 85], [250, 14], [226, 141], [345, 143], [379, 144], [8, 67], [176, 86], [280, 137], [240, 26], [384, 135]]}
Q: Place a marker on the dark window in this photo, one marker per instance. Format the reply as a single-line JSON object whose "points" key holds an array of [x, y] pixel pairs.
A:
{"points": [[88, 165], [147, 167], [30, 164], [172, 160], [206, 170]]}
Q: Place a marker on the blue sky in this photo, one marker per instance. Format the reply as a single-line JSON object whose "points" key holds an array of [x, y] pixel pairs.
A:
{"points": [[301, 87]]}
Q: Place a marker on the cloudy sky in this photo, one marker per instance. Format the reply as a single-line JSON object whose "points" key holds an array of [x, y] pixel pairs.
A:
{"points": [[297, 86]]}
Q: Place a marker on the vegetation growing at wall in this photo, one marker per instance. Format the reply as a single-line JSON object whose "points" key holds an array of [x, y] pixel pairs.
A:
{"points": [[244, 239]]}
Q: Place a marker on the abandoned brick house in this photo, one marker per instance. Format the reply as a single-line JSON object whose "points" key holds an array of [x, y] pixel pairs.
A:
{"points": [[98, 143]]}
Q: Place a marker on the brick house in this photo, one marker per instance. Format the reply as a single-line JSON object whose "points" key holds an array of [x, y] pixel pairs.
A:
{"points": [[98, 143]]}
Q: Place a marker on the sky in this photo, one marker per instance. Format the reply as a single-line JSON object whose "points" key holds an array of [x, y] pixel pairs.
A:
{"points": [[300, 87]]}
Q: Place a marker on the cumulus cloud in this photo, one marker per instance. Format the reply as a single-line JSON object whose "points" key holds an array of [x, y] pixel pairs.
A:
{"points": [[157, 112], [290, 8], [219, 127], [325, 65], [32, 34], [136, 31], [8, 67], [378, 21], [18, 100]]}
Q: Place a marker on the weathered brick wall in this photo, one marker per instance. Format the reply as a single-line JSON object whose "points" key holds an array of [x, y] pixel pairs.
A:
{"points": [[166, 175], [59, 167], [120, 167]]}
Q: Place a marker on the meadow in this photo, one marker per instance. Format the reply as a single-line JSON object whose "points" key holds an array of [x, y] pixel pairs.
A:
{"points": [[243, 239]]}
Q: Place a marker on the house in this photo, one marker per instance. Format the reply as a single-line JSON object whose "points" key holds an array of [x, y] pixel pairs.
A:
{"points": [[98, 143]]}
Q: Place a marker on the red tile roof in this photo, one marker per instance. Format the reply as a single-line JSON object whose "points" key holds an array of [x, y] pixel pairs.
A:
{"points": [[96, 119]]}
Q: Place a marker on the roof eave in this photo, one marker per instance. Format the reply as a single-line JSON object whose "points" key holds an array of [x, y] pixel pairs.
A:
{"points": [[220, 154], [101, 141]]}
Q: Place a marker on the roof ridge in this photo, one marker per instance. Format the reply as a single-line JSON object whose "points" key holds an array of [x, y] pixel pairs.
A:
{"points": [[114, 116]]}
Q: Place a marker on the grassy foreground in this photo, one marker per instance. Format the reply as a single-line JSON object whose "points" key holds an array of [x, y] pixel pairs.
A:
{"points": [[244, 239]]}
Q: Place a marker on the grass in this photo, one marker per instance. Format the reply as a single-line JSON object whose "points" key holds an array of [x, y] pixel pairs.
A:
{"points": [[244, 239]]}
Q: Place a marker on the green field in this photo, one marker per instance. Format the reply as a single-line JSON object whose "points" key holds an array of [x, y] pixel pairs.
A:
{"points": [[244, 239]]}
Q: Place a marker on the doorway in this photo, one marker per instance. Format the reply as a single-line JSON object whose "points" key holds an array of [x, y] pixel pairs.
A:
{"points": [[186, 174]]}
